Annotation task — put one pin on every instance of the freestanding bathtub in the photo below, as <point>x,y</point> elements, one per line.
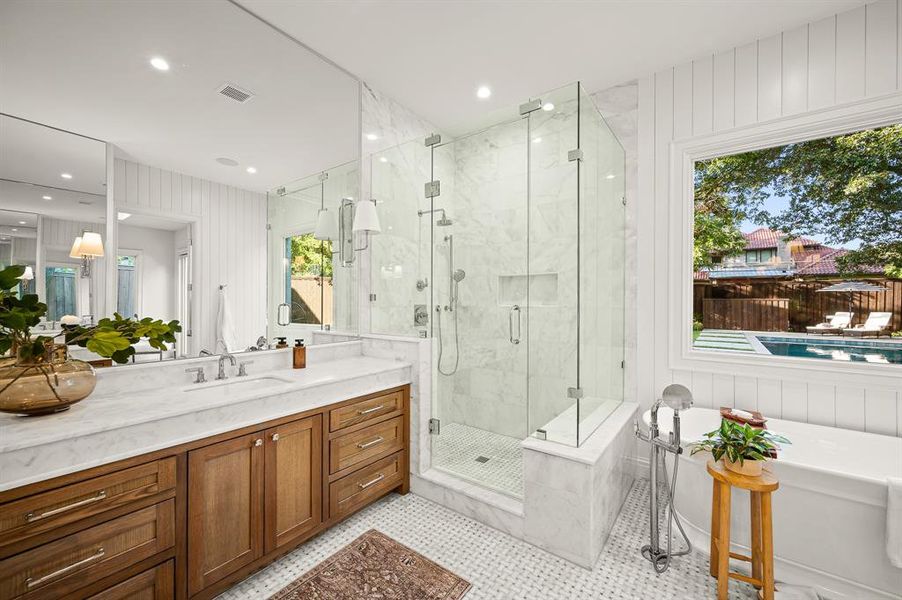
<point>829,513</point>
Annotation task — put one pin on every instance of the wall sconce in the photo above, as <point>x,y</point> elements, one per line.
<point>28,275</point>
<point>366,221</point>
<point>326,228</point>
<point>87,247</point>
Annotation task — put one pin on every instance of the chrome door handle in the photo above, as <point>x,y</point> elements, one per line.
<point>371,443</point>
<point>283,317</point>
<point>373,481</point>
<point>510,323</point>
<point>31,517</point>
<point>30,583</point>
<point>371,410</point>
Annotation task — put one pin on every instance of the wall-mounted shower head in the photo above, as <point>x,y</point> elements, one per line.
<point>444,221</point>
<point>458,275</point>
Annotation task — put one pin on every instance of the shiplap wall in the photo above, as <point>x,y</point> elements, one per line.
<point>847,57</point>
<point>229,242</point>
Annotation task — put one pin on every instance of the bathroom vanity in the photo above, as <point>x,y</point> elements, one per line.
<point>193,516</point>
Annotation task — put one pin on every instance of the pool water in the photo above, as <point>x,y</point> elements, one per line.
<point>842,350</point>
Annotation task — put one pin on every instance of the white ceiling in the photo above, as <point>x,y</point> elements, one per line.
<point>64,204</point>
<point>431,55</point>
<point>83,66</point>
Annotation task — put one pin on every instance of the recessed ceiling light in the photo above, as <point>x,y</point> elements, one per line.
<point>537,140</point>
<point>229,162</point>
<point>383,159</point>
<point>47,197</point>
<point>14,229</point>
<point>66,175</point>
<point>22,223</point>
<point>483,92</point>
<point>159,63</point>
<point>372,137</point>
<point>123,215</point>
<point>610,176</point>
<point>251,170</point>
<point>548,106</point>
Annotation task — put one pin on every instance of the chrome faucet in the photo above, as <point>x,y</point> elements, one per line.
<point>222,358</point>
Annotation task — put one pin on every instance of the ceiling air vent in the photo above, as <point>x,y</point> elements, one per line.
<point>230,90</point>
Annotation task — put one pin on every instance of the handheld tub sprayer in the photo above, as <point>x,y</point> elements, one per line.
<point>678,398</point>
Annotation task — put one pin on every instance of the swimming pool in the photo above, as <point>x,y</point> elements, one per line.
<point>842,350</point>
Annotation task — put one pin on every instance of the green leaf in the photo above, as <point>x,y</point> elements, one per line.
<point>106,343</point>
<point>9,277</point>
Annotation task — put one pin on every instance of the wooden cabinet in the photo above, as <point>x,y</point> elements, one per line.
<point>187,522</point>
<point>225,509</point>
<point>293,481</point>
<point>157,583</point>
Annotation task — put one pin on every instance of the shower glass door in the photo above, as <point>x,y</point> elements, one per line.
<point>479,298</point>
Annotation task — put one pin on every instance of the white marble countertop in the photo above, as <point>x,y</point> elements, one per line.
<point>111,425</point>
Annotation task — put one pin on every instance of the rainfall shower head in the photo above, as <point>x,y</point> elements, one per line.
<point>458,275</point>
<point>444,221</point>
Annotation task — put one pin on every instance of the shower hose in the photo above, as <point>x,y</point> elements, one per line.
<point>438,322</point>
<point>672,516</point>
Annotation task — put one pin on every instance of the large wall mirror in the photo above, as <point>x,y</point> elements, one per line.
<point>202,133</point>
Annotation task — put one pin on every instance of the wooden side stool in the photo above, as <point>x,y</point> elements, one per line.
<point>762,558</point>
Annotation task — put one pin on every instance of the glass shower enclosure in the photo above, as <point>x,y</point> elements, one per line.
<point>506,247</point>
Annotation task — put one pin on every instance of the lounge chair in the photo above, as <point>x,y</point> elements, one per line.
<point>834,324</point>
<point>877,323</point>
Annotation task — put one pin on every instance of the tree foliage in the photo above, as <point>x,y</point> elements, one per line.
<point>310,257</point>
<point>846,188</point>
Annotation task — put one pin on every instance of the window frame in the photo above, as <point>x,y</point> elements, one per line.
<point>683,154</point>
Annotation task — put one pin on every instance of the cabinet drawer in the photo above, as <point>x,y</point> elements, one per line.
<point>42,512</point>
<point>357,489</point>
<point>157,583</point>
<point>359,446</point>
<point>365,410</point>
<point>76,560</point>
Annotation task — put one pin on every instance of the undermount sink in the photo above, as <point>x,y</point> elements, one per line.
<point>239,384</point>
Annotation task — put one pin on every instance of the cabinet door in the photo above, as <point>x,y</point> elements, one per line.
<point>225,509</point>
<point>294,471</point>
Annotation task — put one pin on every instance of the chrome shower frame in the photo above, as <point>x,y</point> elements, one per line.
<point>678,398</point>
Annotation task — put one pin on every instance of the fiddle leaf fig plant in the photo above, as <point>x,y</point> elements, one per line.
<point>739,442</point>
<point>110,338</point>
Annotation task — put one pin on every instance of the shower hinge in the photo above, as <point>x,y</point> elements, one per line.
<point>280,190</point>
<point>541,434</point>
<point>323,176</point>
<point>433,189</point>
<point>575,155</point>
<point>575,393</point>
<point>372,297</point>
<point>622,364</point>
<point>433,140</point>
<point>623,200</point>
<point>435,426</point>
<point>530,106</point>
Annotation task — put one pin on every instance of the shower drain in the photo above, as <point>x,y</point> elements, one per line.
<point>482,459</point>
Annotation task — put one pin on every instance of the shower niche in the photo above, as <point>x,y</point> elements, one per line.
<point>516,249</point>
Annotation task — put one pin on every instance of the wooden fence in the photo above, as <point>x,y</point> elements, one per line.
<point>767,314</point>
<point>807,306</point>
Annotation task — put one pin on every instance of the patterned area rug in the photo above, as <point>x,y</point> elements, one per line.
<point>376,567</point>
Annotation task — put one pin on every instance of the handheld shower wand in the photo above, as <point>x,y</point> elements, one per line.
<point>677,398</point>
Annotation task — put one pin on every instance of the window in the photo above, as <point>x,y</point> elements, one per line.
<point>811,235</point>
<point>308,279</point>
<point>61,284</point>
<point>127,274</point>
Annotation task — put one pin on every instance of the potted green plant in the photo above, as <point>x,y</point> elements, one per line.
<point>743,448</point>
<point>39,377</point>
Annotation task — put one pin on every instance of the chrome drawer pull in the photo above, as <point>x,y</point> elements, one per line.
<point>30,583</point>
<point>31,517</point>
<point>371,410</point>
<point>374,481</point>
<point>371,443</point>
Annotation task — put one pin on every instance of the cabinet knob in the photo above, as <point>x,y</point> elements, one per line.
<point>275,437</point>
<point>258,442</point>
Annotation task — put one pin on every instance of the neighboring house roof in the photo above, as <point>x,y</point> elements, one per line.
<point>769,238</point>
<point>809,257</point>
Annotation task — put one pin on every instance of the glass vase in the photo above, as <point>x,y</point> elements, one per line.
<point>45,384</point>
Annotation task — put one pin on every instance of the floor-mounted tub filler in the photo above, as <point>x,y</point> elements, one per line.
<point>677,398</point>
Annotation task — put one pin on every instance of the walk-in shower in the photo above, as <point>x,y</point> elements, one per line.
<point>519,231</point>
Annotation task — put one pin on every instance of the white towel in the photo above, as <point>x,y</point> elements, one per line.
<point>226,340</point>
<point>894,521</point>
